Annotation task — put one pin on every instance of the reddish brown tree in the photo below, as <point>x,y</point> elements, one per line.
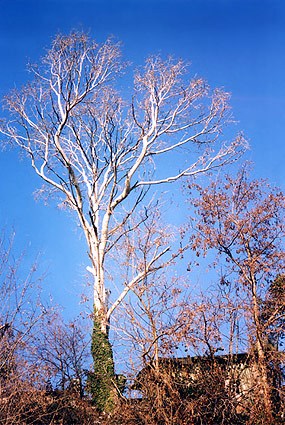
<point>243,221</point>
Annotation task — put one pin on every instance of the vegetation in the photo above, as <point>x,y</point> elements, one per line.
<point>100,156</point>
<point>103,377</point>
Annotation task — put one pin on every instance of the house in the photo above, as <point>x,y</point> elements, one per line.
<point>230,376</point>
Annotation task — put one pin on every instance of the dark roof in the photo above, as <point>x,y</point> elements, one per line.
<point>190,361</point>
<point>220,359</point>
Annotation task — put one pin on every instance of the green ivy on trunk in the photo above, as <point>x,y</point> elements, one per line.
<point>102,380</point>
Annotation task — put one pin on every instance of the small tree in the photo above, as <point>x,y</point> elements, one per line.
<point>244,222</point>
<point>101,154</point>
<point>21,308</point>
<point>21,313</point>
<point>273,312</point>
<point>63,350</point>
<point>272,317</point>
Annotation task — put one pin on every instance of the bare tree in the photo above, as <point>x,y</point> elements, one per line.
<point>63,350</point>
<point>101,154</point>
<point>36,347</point>
<point>179,373</point>
<point>21,313</point>
<point>243,221</point>
<point>21,308</point>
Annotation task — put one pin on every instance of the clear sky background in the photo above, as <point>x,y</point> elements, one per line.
<point>235,44</point>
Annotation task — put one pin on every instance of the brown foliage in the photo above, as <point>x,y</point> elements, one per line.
<point>243,222</point>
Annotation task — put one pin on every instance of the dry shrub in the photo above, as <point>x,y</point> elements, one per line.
<point>211,398</point>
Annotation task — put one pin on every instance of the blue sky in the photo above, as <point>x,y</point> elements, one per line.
<point>235,44</point>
